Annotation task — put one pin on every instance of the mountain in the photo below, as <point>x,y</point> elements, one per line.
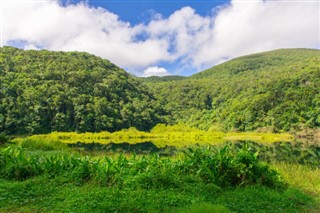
<point>276,90</point>
<point>44,91</point>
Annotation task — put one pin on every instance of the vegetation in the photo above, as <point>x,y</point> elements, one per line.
<point>163,78</point>
<point>35,178</point>
<point>43,91</point>
<point>222,167</point>
<point>162,136</point>
<point>71,97</point>
<point>58,195</point>
<point>270,91</point>
<point>3,139</point>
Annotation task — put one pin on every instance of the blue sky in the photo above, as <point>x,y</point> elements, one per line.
<point>141,11</point>
<point>136,12</point>
<point>167,37</point>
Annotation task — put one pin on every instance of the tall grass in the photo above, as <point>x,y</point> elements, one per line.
<point>34,143</point>
<point>304,177</point>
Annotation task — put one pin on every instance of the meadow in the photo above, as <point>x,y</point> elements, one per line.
<point>45,173</point>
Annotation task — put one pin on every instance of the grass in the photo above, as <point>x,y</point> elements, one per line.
<point>42,176</point>
<point>204,207</point>
<point>303,177</point>
<point>41,194</point>
<point>33,143</point>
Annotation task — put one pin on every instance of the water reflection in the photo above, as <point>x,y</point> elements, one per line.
<point>142,148</point>
<point>290,152</point>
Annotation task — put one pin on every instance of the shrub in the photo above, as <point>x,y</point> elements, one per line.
<point>227,168</point>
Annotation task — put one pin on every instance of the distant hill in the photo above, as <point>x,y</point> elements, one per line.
<point>44,91</point>
<point>163,78</point>
<point>276,90</point>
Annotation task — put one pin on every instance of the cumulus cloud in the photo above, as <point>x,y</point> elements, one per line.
<point>155,71</point>
<point>252,26</point>
<point>46,24</point>
<point>239,28</point>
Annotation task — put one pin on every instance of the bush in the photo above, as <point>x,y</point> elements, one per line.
<point>228,168</point>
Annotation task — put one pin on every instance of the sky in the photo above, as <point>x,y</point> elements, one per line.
<point>161,37</point>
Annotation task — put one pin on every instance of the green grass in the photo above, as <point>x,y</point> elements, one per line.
<point>304,177</point>
<point>59,195</point>
<point>35,178</point>
<point>204,207</point>
<point>32,144</point>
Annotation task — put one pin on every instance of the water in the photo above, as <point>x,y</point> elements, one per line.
<point>292,152</point>
<point>140,148</point>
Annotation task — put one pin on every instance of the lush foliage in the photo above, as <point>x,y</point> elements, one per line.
<point>43,91</point>
<point>218,166</point>
<point>272,91</point>
<point>79,94</point>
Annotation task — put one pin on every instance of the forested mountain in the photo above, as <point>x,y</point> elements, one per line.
<point>277,90</point>
<point>43,91</point>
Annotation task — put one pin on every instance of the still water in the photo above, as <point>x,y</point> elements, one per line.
<point>292,152</point>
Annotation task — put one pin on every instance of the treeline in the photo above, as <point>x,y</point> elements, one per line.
<point>43,91</point>
<point>272,91</point>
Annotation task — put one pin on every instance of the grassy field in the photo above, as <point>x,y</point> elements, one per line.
<point>48,176</point>
<point>43,194</point>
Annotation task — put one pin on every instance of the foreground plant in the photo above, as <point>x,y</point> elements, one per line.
<point>223,167</point>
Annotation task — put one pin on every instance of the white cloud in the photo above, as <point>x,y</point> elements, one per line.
<point>155,71</point>
<point>239,28</point>
<point>180,29</point>
<point>252,26</point>
<point>80,27</point>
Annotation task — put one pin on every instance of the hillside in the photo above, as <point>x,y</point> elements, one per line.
<point>44,91</point>
<point>276,90</point>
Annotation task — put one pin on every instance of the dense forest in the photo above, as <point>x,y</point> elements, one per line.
<point>271,91</point>
<point>44,91</point>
